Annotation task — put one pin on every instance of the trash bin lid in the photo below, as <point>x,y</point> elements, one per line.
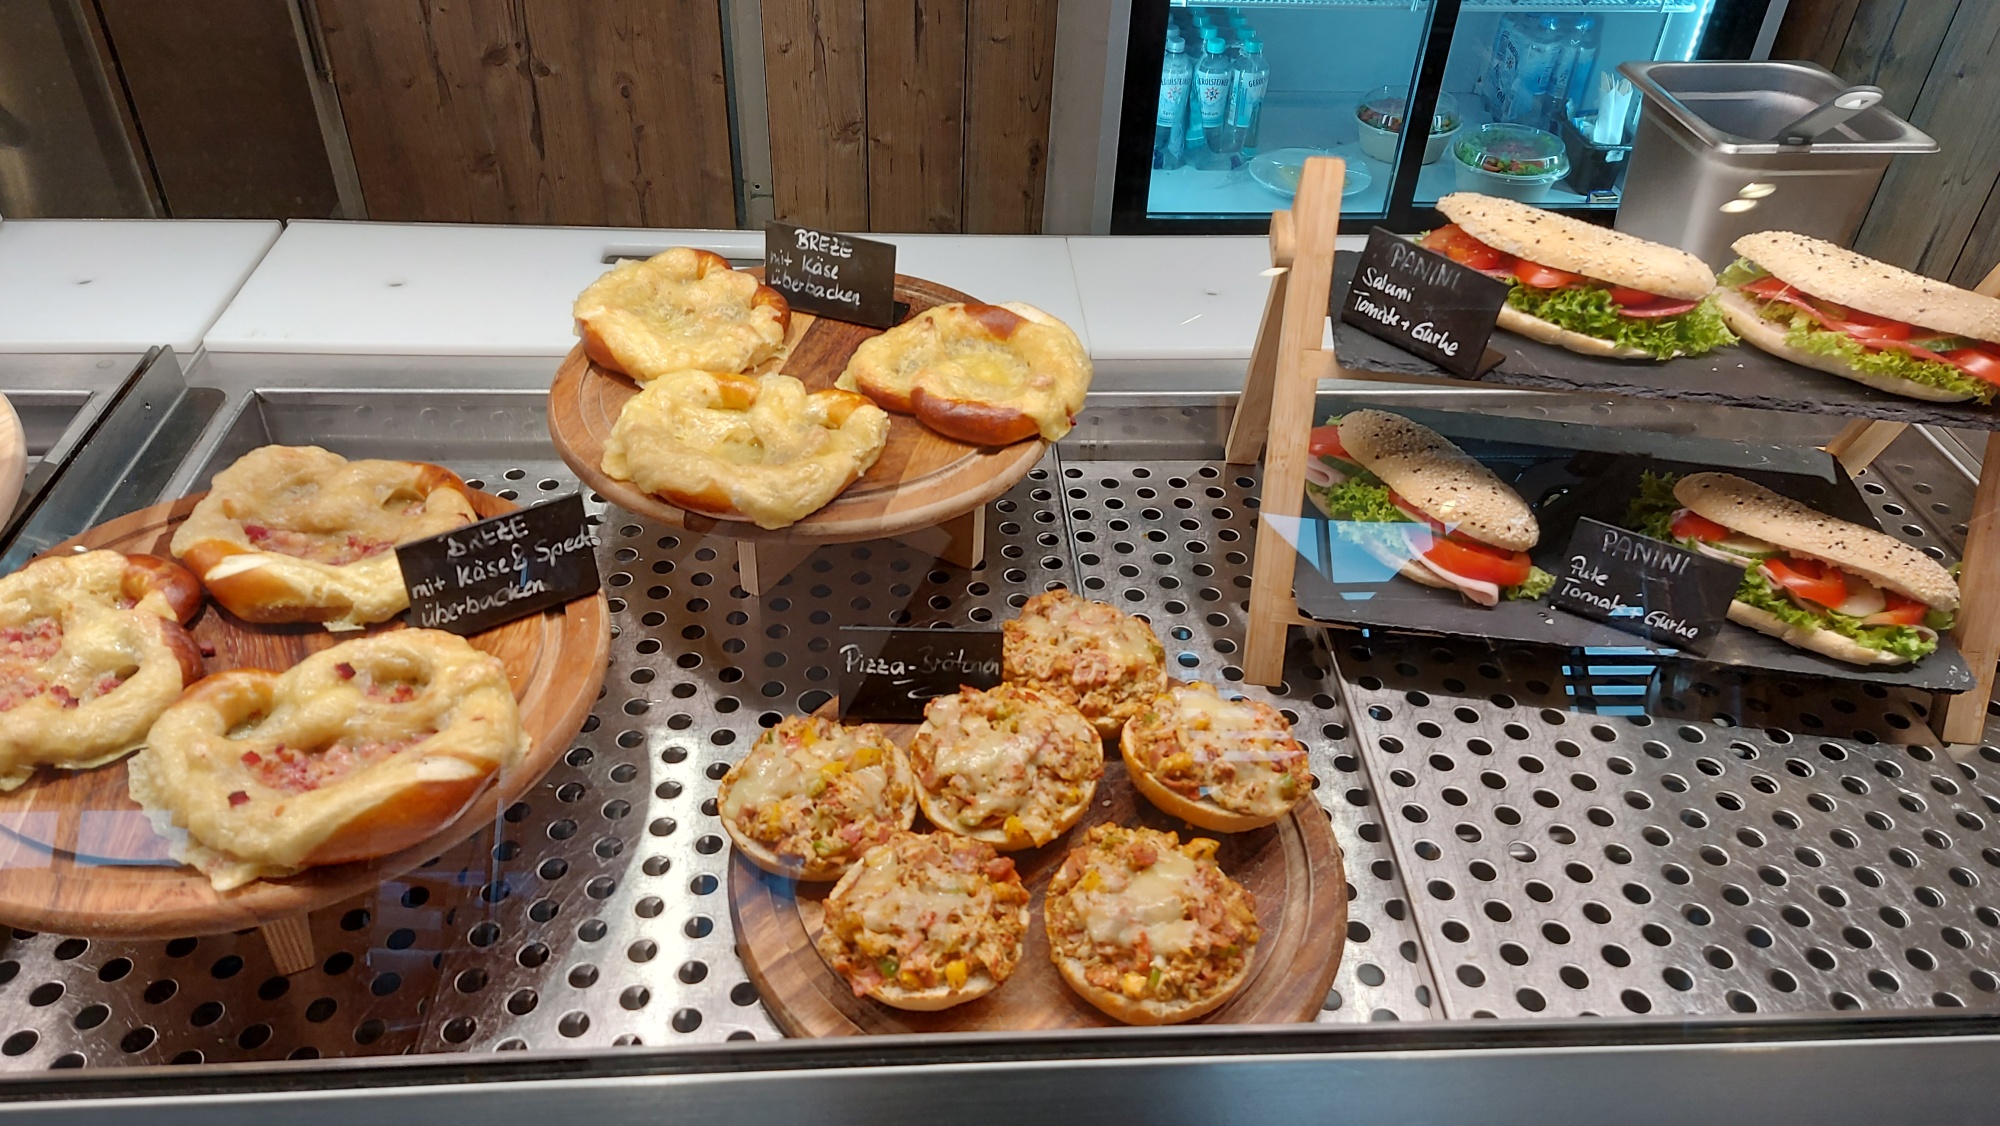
<point>1739,106</point>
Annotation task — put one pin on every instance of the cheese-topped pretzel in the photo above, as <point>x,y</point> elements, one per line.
<point>744,447</point>
<point>1090,654</point>
<point>680,309</point>
<point>357,751</point>
<point>91,652</point>
<point>301,534</point>
<point>985,374</point>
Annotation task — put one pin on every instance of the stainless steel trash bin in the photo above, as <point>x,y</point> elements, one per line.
<point>1705,171</point>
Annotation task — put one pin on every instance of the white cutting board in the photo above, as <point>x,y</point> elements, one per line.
<point>402,289</point>
<point>121,285</point>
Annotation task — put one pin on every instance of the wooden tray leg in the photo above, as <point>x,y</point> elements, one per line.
<point>1862,441</point>
<point>1962,719</point>
<point>760,566</point>
<point>1251,422</point>
<point>291,943</point>
<point>960,540</point>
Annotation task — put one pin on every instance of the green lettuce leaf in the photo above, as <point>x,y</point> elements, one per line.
<point>1651,513</point>
<point>1590,310</point>
<point>1360,500</point>
<point>1903,641</point>
<point>1803,332</point>
<point>1537,584</point>
<point>1740,273</point>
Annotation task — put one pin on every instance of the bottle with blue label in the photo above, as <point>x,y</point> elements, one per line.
<point>1252,81</point>
<point>1213,77</point>
<point>1170,126</point>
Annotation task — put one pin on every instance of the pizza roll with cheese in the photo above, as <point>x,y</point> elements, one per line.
<point>1011,766</point>
<point>813,795</point>
<point>1105,662</point>
<point>1226,765</point>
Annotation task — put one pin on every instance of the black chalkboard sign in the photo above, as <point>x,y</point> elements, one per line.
<point>1641,585</point>
<point>1425,304</point>
<point>888,675</point>
<point>501,568</point>
<point>830,275</point>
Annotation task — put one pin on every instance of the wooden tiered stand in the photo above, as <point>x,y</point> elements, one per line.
<point>1275,415</point>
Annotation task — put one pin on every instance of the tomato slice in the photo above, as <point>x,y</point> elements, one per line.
<point>1451,241</point>
<point>1768,286</point>
<point>1325,442</point>
<point>1496,565</point>
<point>1626,295</point>
<point>1544,277</point>
<point>1809,579</point>
<point>1868,326</point>
<point>1689,526</point>
<point>1977,363</point>
<point>1900,612</point>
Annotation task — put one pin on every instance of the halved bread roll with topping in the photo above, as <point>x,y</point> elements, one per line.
<point>358,751</point>
<point>1226,765</point>
<point>1105,662</point>
<point>926,921</point>
<point>813,795</point>
<point>92,650</point>
<point>1011,766</point>
<point>1149,930</point>
<point>990,375</point>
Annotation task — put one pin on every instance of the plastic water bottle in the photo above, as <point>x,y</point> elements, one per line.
<point>1213,77</point>
<point>1170,126</point>
<point>1575,80</point>
<point>1246,97</point>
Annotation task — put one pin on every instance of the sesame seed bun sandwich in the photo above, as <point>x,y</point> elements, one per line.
<point>1818,582</point>
<point>1420,504</point>
<point>1826,307</point>
<point>1580,286</point>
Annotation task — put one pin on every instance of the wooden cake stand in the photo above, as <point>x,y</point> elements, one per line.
<point>78,856</point>
<point>1293,868</point>
<point>925,488</point>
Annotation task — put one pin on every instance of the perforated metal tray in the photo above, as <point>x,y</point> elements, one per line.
<point>591,914</point>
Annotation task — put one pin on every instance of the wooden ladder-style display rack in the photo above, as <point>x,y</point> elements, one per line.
<point>1274,415</point>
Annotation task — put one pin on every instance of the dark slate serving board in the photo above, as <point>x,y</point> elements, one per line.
<point>1340,583</point>
<point>1739,376</point>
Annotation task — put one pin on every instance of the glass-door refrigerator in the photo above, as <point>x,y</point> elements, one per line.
<point>1223,102</point>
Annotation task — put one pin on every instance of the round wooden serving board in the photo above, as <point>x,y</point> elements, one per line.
<point>1293,868</point>
<point>79,857</point>
<point>921,480</point>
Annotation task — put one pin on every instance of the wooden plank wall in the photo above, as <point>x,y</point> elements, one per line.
<point>536,111</point>
<point>910,115</point>
<point>1938,214</point>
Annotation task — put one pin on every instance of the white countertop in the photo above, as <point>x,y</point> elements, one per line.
<point>111,285</point>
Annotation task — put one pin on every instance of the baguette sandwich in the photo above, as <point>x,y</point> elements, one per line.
<point>1580,286</point>
<point>1816,304</point>
<point>1416,502</point>
<point>1820,583</point>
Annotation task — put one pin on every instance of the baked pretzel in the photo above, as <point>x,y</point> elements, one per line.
<point>743,447</point>
<point>358,751</point>
<point>990,375</point>
<point>680,309</point>
<point>299,534</point>
<point>92,650</point>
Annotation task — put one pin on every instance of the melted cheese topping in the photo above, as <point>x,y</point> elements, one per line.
<point>923,911</point>
<point>83,672</point>
<point>1154,903</point>
<point>1238,754</point>
<point>677,311</point>
<point>817,793</point>
<point>778,460</point>
<point>323,527</point>
<point>1092,655</point>
<point>1010,764</point>
<point>1040,370</point>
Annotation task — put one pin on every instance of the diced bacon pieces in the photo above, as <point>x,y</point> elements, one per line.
<point>344,670</point>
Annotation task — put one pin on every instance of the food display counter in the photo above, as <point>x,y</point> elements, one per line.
<point>1577,882</point>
